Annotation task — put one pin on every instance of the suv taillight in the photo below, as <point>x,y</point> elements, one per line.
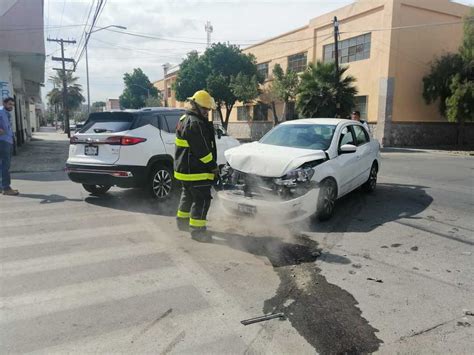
<point>73,140</point>
<point>124,140</point>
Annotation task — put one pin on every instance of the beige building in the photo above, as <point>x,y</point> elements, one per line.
<point>112,104</point>
<point>388,46</point>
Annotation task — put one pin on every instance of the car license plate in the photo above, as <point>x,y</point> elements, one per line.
<point>91,150</point>
<point>247,209</point>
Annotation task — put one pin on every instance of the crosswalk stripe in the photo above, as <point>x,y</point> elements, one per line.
<point>37,303</point>
<point>45,280</point>
<point>50,263</point>
<point>41,238</point>
<point>60,247</point>
<point>73,324</point>
<point>64,218</point>
<point>65,226</point>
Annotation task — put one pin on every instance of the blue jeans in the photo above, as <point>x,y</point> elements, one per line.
<point>6,150</point>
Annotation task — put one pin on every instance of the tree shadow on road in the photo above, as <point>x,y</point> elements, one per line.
<point>47,199</point>
<point>42,176</point>
<point>362,212</point>
<point>135,201</point>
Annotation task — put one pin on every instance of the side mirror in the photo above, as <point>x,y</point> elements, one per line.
<point>347,148</point>
<point>219,133</point>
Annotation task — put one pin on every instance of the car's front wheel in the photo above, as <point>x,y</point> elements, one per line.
<point>96,190</point>
<point>161,184</point>
<point>371,183</point>
<point>326,200</point>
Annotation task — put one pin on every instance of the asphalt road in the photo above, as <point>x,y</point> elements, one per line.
<point>392,272</point>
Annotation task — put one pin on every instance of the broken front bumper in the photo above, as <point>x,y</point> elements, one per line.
<point>271,211</point>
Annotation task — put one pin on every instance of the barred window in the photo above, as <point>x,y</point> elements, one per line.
<point>243,113</point>
<point>262,70</point>
<point>297,62</point>
<point>361,106</point>
<point>260,112</point>
<point>350,50</point>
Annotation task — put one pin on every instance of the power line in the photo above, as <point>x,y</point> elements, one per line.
<point>37,29</point>
<point>100,3</point>
<point>62,14</point>
<point>273,42</point>
<point>83,35</point>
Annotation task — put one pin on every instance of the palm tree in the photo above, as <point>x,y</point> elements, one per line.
<point>74,97</point>
<point>320,95</point>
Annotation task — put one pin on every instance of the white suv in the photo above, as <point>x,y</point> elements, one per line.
<point>133,148</point>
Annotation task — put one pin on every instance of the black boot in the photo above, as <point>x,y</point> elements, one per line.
<point>182,224</point>
<point>201,235</point>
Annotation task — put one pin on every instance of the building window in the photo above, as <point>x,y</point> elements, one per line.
<point>350,50</point>
<point>169,92</point>
<point>297,62</point>
<point>243,113</point>
<point>361,106</point>
<point>262,70</point>
<point>260,112</point>
<point>215,116</point>
<point>291,113</point>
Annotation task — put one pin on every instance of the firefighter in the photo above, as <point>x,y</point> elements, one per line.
<point>195,165</point>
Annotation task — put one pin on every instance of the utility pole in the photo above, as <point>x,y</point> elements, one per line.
<point>209,29</point>
<point>87,77</point>
<point>336,58</point>
<point>64,70</point>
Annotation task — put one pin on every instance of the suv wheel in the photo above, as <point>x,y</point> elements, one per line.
<point>97,190</point>
<point>371,183</point>
<point>326,200</point>
<point>161,183</point>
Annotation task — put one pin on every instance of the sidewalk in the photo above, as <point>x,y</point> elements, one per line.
<point>46,152</point>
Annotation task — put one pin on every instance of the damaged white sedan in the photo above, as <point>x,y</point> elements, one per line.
<point>299,169</point>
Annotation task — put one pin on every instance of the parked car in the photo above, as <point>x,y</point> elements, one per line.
<point>299,169</point>
<point>133,148</point>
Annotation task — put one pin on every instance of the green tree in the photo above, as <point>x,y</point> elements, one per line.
<point>225,72</point>
<point>74,98</point>
<point>451,82</point>
<point>319,95</point>
<point>154,101</point>
<point>137,89</point>
<point>283,88</point>
<point>98,106</point>
<point>437,84</point>
<point>192,76</point>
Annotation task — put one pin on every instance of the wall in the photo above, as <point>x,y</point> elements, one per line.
<point>356,20</point>
<point>416,48</point>
<point>6,82</point>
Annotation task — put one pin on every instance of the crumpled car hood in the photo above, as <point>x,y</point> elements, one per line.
<point>269,160</point>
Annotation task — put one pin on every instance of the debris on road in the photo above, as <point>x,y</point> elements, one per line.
<point>263,318</point>
<point>415,248</point>
<point>469,313</point>
<point>376,280</point>
<point>357,266</point>
<point>464,323</point>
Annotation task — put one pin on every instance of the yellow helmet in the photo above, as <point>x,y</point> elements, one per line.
<point>203,99</point>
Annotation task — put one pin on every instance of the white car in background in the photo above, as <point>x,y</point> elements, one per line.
<point>299,169</point>
<point>133,148</point>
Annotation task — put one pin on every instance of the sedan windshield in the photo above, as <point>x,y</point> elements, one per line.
<point>306,136</point>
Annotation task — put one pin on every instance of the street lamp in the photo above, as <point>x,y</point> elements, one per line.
<point>144,88</point>
<point>87,61</point>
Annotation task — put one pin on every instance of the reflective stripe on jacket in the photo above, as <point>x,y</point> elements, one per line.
<point>195,154</point>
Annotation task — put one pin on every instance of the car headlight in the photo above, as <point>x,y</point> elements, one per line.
<point>294,177</point>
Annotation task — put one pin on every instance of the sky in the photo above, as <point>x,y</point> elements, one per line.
<point>179,24</point>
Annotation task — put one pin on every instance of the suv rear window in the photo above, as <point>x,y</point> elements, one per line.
<point>172,120</point>
<point>108,122</point>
